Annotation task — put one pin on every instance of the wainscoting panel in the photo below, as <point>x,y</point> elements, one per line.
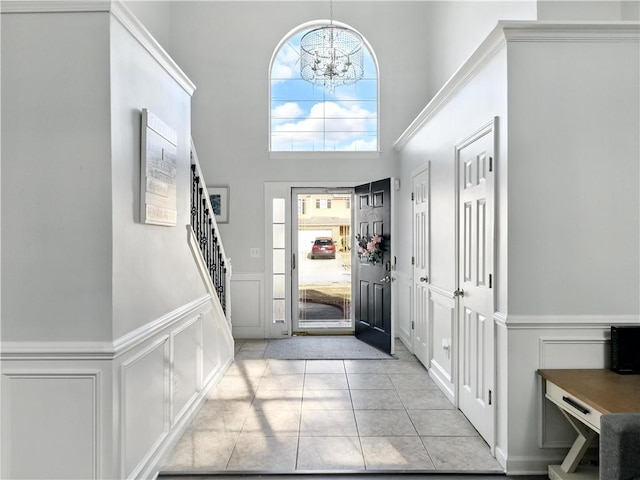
<point>86,411</point>
<point>566,352</point>
<point>212,354</point>
<point>52,417</point>
<point>144,405</point>
<point>442,326</point>
<point>501,388</point>
<point>186,373</point>
<point>196,352</point>
<point>220,347</point>
<point>248,307</point>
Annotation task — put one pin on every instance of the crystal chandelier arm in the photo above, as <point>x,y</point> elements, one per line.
<point>331,56</point>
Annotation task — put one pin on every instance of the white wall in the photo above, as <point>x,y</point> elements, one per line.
<point>56,243</point>
<point>109,319</point>
<point>573,178</point>
<point>574,222</point>
<point>599,10</point>
<point>455,29</point>
<point>153,271</point>
<point>56,181</point>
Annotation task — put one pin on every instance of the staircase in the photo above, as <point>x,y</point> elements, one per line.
<point>214,265</point>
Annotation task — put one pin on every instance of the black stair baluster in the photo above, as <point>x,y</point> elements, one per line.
<point>208,239</point>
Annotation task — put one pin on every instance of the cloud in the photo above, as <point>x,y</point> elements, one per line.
<point>363,145</point>
<point>328,126</point>
<point>286,63</point>
<point>286,112</point>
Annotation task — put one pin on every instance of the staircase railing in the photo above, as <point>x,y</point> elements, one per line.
<point>205,229</point>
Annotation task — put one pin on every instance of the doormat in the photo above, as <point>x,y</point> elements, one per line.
<point>323,348</point>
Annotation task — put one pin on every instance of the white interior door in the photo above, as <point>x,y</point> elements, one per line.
<point>421,250</point>
<point>475,272</point>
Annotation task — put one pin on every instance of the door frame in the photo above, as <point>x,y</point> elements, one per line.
<point>294,250</point>
<point>491,126</point>
<point>273,190</point>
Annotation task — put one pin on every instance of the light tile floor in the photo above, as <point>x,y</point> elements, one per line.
<point>328,415</point>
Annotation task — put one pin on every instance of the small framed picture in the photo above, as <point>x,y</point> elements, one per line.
<point>219,197</point>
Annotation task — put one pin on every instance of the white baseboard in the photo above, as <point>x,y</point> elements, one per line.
<point>501,457</point>
<point>405,338</point>
<point>523,465</point>
<point>442,379</point>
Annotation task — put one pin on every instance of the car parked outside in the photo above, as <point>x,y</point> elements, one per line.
<point>323,247</point>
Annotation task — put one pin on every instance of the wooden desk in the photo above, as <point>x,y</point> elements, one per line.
<point>583,396</point>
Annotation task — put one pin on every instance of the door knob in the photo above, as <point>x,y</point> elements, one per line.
<point>458,293</point>
<point>386,279</point>
<point>424,279</point>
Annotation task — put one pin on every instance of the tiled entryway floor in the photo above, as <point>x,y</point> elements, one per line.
<point>328,415</point>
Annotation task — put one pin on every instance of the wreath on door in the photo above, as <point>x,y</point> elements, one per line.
<point>370,247</point>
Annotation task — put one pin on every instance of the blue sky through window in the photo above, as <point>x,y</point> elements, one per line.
<point>310,118</point>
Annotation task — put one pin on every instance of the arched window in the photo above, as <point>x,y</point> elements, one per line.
<point>309,118</point>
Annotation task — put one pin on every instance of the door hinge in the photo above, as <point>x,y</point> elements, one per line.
<point>293,261</point>
<point>412,197</point>
<point>413,260</point>
<point>413,325</point>
<point>490,397</point>
<point>490,281</point>
<point>491,164</point>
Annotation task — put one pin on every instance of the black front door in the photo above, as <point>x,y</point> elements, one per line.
<point>373,268</point>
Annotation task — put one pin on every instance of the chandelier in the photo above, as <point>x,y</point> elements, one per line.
<point>331,56</point>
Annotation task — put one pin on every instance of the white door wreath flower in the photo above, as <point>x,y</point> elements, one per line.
<point>370,247</point>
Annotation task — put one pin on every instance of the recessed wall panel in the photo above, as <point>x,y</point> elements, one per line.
<point>50,426</point>
<point>186,345</point>
<point>145,391</point>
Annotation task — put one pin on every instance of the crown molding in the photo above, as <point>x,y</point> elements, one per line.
<point>54,6</point>
<point>572,31</point>
<point>119,11</point>
<point>519,31</point>
<point>142,35</point>
<point>494,42</point>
